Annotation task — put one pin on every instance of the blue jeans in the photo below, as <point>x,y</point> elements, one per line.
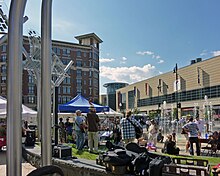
<point>80,140</point>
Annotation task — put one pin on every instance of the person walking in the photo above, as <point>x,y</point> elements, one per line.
<point>79,129</point>
<point>92,121</point>
<point>192,129</point>
<point>152,135</point>
<point>127,129</point>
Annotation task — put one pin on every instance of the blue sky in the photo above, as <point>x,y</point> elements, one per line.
<point>141,38</point>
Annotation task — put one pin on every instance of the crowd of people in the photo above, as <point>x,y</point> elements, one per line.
<point>86,130</point>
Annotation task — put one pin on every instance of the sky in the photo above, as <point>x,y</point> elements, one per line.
<point>141,38</point>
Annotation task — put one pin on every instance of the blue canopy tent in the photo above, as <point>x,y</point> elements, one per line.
<point>82,104</point>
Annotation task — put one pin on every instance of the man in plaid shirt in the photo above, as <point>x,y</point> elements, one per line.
<point>127,129</point>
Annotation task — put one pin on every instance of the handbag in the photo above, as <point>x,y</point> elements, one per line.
<point>138,130</point>
<point>81,127</point>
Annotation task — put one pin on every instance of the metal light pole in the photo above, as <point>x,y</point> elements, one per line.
<point>158,108</point>
<point>46,55</point>
<point>176,75</point>
<point>14,87</point>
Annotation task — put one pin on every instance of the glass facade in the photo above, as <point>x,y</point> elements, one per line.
<point>190,95</point>
<point>111,93</point>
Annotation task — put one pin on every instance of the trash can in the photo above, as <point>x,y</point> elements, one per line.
<point>30,138</point>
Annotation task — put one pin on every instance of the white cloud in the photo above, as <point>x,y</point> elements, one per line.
<point>157,57</point>
<point>128,74</point>
<point>145,53</point>
<point>124,58</point>
<point>122,62</point>
<point>104,60</point>
<point>152,54</point>
<point>160,61</point>
<point>216,53</point>
<point>203,53</point>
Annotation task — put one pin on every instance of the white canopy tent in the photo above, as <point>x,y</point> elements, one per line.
<point>27,113</point>
<point>110,113</point>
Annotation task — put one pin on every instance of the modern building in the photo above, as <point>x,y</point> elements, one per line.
<point>111,92</point>
<point>191,89</point>
<point>103,99</point>
<point>84,73</point>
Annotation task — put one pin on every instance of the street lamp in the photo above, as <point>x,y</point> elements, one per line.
<point>158,91</point>
<point>175,70</point>
<point>122,109</point>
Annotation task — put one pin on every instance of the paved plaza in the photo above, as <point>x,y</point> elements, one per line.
<point>26,167</point>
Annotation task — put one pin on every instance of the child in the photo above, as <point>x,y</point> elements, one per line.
<point>160,137</point>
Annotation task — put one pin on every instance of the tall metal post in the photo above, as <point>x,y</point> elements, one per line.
<point>159,103</point>
<point>177,100</point>
<point>14,87</point>
<point>46,54</point>
<point>56,114</point>
<point>39,119</point>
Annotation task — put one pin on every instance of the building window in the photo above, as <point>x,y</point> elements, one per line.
<point>84,91</point>
<point>59,99</point>
<point>66,89</point>
<point>65,99</point>
<point>78,73</point>
<point>84,73</point>
<point>84,64</point>
<point>56,50</point>
<point>4,48</point>
<point>66,80</point>
<point>90,82</point>
<point>90,73</point>
<point>69,72</point>
<point>3,90</point>
<point>78,54</point>
<point>31,89</point>
<point>31,99</point>
<point>90,55</point>
<point>90,91</point>
<point>3,58</point>
<point>66,51</point>
<point>30,79</point>
<point>78,82</point>
<point>78,90</point>
<point>79,63</point>
<point>131,99</point>
<point>95,75</point>
<point>85,54</point>
<point>65,61</point>
<point>3,79</point>
<point>95,82</point>
<point>84,82</point>
<point>3,69</point>
<point>96,65</point>
<point>90,63</point>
